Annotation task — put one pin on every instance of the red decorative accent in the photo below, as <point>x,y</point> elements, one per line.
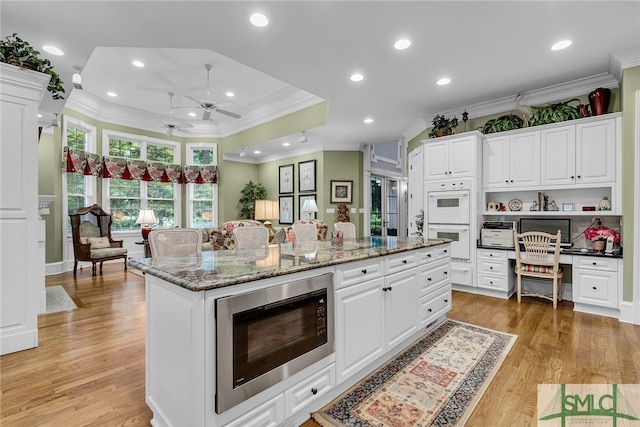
<point>145,231</point>
<point>146,176</point>
<point>165,177</point>
<point>126,174</point>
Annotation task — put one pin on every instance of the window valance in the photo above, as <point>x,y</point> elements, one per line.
<point>75,160</point>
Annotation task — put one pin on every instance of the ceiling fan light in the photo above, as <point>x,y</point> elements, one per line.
<point>206,115</point>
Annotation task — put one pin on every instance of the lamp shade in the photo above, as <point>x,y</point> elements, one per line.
<point>309,206</point>
<point>267,209</point>
<point>146,216</point>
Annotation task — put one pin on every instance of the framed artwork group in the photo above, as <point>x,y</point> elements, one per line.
<point>286,188</point>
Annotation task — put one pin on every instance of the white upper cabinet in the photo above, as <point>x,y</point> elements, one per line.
<point>453,157</point>
<point>579,154</point>
<point>511,160</point>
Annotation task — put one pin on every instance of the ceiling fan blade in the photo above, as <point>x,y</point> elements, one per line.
<point>206,115</point>
<point>228,113</point>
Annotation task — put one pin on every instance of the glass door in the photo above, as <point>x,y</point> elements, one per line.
<point>384,206</point>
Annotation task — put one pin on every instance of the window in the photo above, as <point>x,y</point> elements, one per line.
<point>78,190</point>
<point>124,198</point>
<point>202,209</point>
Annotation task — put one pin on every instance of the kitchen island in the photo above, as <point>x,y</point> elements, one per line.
<point>384,294</point>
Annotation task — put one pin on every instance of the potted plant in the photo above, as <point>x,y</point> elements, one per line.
<point>442,126</point>
<point>250,194</point>
<point>502,123</point>
<point>419,223</point>
<point>598,236</point>
<point>554,113</point>
<point>15,51</point>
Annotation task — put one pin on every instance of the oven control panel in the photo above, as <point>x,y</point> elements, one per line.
<point>460,184</point>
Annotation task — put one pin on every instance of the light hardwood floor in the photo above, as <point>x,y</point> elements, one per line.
<point>89,366</point>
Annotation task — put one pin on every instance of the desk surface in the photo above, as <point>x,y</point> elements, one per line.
<point>564,252</point>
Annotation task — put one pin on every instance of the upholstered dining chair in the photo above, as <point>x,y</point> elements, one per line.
<point>305,232</point>
<point>538,258</point>
<point>251,237</point>
<point>175,241</point>
<point>348,229</point>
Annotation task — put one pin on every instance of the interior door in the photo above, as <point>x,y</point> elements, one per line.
<point>384,206</point>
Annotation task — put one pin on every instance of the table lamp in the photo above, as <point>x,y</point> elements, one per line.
<point>309,207</point>
<point>265,211</point>
<point>146,217</point>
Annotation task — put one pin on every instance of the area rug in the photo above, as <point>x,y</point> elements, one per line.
<point>58,300</point>
<point>437,381</point>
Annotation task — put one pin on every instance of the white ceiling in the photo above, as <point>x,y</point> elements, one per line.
<point>490,50</point>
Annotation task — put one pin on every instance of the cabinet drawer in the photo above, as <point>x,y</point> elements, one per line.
<point>591,262</point>
<point>595,287</point>
<point>310,389</point>
<point>434,276</point>
<point>461,273</point>
<point>434,305</point>
<point>497,267</point>
<point>433,253</point>
<point>270,413</point>
<point>492,254</point>
<point>493,282</point>
<point>400,262</point>
<point>358,272</point>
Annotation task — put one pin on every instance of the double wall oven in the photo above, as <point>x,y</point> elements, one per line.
<point>264,336</point>
<point>449,212</point>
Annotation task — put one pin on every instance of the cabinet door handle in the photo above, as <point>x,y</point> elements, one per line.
<point>428,255</point>
<point>314,391</point>
<point>511,181</point>
<point>594,288</point>
<point>572,177</point>
<point>490,254</point>
<point>578,176</point>
<point>429,310</point>
<point>447,301</point>
<point>445,251</point>
<point>506,181</point>
<point>491,282</point>
<point>594,263</point>
<point>490,268</point>
<point>404,261</point>
<point>428,279</point>
<point>446,272</point>
<point>364,271</point>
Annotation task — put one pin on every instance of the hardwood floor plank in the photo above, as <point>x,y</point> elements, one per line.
<point>89,366</point>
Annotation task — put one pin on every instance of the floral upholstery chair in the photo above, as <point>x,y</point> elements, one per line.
<point>222,237</point>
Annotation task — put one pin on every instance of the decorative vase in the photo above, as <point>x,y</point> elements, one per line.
<point>599,101</point>
<point>598,245</point>
<point>443,132</point>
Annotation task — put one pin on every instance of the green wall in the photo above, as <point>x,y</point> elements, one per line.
<point>630,84</point>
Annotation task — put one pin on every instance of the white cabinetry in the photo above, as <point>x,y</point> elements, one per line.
<point>21,283</point>
<point>596,284</point>
<point>511,160</point>
<point>494,277</point>
<point>579,154</point>
<point>374,316</point>
<point>450,157</point>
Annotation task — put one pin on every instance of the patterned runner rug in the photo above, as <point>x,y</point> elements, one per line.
<point>437,381</point>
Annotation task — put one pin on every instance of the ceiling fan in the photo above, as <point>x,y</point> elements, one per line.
<point>171,126</point>
<point>209,105</point>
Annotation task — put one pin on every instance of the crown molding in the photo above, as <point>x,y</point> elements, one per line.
<point>535,97</point>
<point>622,60</point>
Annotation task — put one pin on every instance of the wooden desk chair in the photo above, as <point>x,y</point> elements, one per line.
<point>348,229</point>
<point>175,241</point>
<point>537,261</point>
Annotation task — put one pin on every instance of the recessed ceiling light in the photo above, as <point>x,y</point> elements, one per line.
<point>52,50</point>
<point>561,45</point>
<point>286,144</point>
<point>138,64</point>
<point>402,44</point>
<point>357,77</point>
<point>259,20</point>
<point>256,151</point>
<point>368,120</point>
<point>192,114</point>
<point>444,81</point>
<point>40,115</point>
<point>230,94</point>
<point>112,94</point>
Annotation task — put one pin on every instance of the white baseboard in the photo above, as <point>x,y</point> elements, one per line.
<point>630,312</point>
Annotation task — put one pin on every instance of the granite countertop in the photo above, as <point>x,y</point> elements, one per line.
<point>217,269</point>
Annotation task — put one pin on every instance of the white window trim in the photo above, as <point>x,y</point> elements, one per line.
<point>190,148</point>
<point>144,140</point>
<point>90,181</point>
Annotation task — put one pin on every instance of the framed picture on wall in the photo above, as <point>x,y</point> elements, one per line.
<point>307,176</point>
<point>301,199</point>
<point>287,213</point>
<point>286,179</point>
<point>341,191</point>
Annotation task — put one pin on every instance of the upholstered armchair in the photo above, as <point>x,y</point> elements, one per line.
<point>222,237</point>
<point>92,242</point>
<point>321,228</point>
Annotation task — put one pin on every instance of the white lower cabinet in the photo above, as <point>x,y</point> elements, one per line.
<point>375,316</point>
<point>270,413</point>
<point>308,390</point>
<point>494,276</point>
<point>595,284</point>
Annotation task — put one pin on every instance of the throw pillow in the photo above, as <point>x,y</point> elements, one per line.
<point>280,236</point>
<point>99,242</point>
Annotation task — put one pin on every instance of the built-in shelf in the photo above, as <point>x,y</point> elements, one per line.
<point>549,213</point>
